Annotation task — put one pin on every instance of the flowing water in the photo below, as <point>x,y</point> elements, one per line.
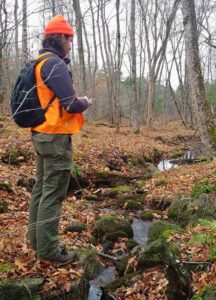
<point>140,232</point>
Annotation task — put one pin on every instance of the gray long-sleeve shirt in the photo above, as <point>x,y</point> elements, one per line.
<point>58,78</point>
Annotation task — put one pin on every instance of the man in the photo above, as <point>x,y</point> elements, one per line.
<point>52,141</point>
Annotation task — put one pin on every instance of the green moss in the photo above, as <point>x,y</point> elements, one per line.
<point>19,289</point>
<point>109,223</point>
<point>147,216</point>
<point>153,156</point>
<point>152,254</point>
<point>5,267</point>
<point>119,189</point>
<point>123,281</point>
<point>161,181</point>
<point>77,155</point>
<point>130,244</point>
<point>121,265</point>
<point>133,205</point>
<point>89,262</point>
<point>200,239</point>
<point>156,229</point>
<point>204,187</point>
<point>167,233</point>
<point>114,236</point>
<point>11,156</point>
<point>75,226</point>
<point>197,297</point>
<point>208,293</point>
<point>6,186</point>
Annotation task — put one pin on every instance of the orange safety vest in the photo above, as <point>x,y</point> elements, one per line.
<point>66,123</point>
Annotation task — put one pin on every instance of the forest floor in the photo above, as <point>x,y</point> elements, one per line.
<point>98,148</point>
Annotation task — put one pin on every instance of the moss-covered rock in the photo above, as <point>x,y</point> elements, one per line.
<point>159,252</point>
<point>75,226</point>
<point>177,208</point>
<point>130,244</point>
<point>148,215</point>
<point>122,265</point>
<point>151,254</point>
<point>121,202</point>
<point>122,189</point>
<point>153,156</point>
<point>90,263</point>
<point>26,182</point>
<point>109,224</point>
<point>190,210</point>
<point>6,186</point>
<point>3,207</point>
<point>123,281</point>
<point>114,236</point>
<point>156,229</point>
<point>78,180</point>
<point>15,156</point>
<point>133,205</point>
<point>176,289</point>
<point>152,169</point>
<point>19,289</point>
<point>107,178</point>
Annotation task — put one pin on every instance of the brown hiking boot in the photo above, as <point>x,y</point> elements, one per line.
<point>64,258</point>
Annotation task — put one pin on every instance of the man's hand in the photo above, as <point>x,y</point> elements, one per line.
<point>88,100</point>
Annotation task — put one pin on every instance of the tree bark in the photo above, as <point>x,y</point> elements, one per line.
<point>203,116</point>
<point>118,69</point>
<point>24,34</point>
<point>135,119</point>
<point>78,15</point>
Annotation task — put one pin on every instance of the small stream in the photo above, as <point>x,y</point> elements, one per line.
<point>189,157</point>
<point>140,232</point>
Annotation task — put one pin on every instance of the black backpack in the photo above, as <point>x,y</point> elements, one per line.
<point>25,105</point>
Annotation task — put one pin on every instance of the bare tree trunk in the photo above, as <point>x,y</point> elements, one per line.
<point>156,56</point>
<point>24,34</point>
<point>53,8</point>
<point>135,119</point>
<point>203,117</point>
<point>118,70</point>
<point>95,54</point>
<point>3,39</point>
<point>16,31</point>
<point>83,83</point>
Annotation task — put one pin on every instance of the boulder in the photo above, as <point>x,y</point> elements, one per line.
<point>90,263</point>
<point>151,254</point>
<point>111,223</point>
<point>157,228</point>
<point>26,182</point>
<point>122,189</point>
<point>189,210</point>
<point>75,226</point>
<point>149,215</point>
<point>19,289</point>
<point>15,156</point>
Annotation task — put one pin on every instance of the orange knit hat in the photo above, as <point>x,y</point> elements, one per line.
<point>58,25</point>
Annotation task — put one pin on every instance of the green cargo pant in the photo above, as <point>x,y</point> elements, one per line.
<point>53,163</point>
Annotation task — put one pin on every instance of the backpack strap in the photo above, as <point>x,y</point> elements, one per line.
<point>37,60</point>
<point>43,56</point>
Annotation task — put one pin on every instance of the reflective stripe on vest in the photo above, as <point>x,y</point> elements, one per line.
<point>55,123</point>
